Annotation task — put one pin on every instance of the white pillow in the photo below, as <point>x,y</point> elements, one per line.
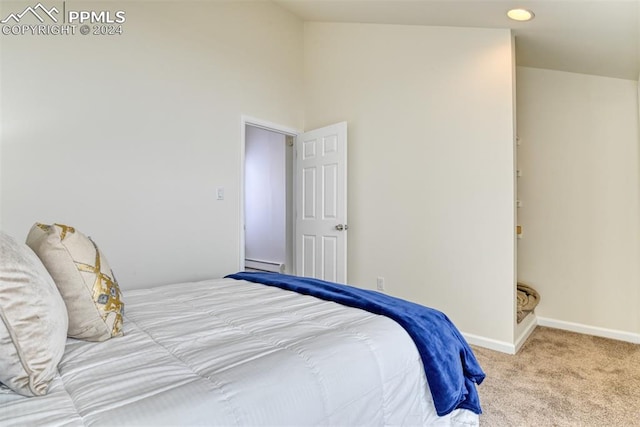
<point>84,279</point>
<point>33,320</point>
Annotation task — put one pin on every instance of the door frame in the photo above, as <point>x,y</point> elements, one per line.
<point>273,127</point>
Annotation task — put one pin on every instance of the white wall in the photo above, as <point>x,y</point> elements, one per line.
<point>580,187</point>
<point>265,195</point>
<point>431,162</point>
<point>1,133</point>
<point>128,137</point>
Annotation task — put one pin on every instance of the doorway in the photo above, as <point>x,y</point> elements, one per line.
<point>268,199</point>
<point>314,172</point>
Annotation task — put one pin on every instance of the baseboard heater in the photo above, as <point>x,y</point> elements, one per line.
<point>256,264</point>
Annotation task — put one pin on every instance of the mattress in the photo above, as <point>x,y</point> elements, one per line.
<point>229,353</point>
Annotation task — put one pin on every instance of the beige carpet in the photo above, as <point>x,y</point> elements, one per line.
<point>561,378</point>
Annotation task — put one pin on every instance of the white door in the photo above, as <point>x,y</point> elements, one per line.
<point>321,203</point>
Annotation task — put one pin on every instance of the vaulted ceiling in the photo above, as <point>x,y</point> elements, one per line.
<point>600,37</point>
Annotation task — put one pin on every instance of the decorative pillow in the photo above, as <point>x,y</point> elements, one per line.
<point>84,279</point>
<point>33,320</point>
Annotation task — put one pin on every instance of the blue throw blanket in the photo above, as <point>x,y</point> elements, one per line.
<point>451,368</point>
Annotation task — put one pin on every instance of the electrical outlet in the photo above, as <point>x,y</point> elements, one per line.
<point>380,283</point>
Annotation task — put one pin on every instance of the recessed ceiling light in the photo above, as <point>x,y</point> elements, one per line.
<point>520,14</point>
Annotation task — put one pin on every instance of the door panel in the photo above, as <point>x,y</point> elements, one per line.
<point>309,193</point>
<point>330,258</point>
<point>321,169</point>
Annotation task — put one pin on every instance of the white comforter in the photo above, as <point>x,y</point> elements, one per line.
<point>228,352</point>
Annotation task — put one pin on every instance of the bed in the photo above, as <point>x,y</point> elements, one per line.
<point>232,352</point>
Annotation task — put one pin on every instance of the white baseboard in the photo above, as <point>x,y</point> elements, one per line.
<point>491,344</point>
<point>524,329</point>
<point>529,325</point>
<point>590,330</point>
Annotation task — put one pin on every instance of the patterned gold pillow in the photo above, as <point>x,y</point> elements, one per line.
<point>84,278</point>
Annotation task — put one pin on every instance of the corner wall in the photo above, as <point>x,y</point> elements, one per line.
<point>431,163</point>
<point>580,187</point>
<point>127,137</point>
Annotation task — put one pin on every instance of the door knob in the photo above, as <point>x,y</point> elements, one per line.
<point>341,227</point>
